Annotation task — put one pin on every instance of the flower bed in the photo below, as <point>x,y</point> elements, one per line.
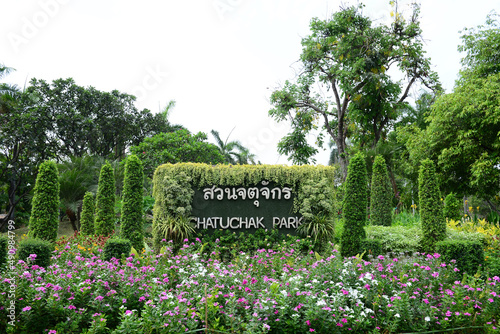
<point>275,291</point>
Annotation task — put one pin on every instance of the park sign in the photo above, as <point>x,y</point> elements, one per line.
<point>236,198</point>
<point>265,205</point>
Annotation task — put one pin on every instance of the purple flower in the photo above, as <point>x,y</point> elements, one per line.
<point>27,308</point>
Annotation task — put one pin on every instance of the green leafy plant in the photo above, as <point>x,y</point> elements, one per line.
<point>132,217</point>
<point>431,212</point>
<point>452,207</point>
<point>469,255</point>
<point>44,220</point>
<point>41,248</point>
<point>4,243</point>
<point>172,228</point>
<point>115,247</point>
<point>381,194</point>
<point>105,202</point>
<point>354,209</point>
<point>87,215</point>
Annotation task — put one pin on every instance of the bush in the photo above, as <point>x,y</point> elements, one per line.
<point>431,212</point>
<point>131,217</point>
<point>468,254</point>
<point>354,207</point>
<point>171,228</point>
<point>396,239</point>
<point>44,219</point>
<point>105,202</point>
<point>4,248</point>
<point>381,194</point>
<point>87,215</point>
<point>317,210</point>
<point>42,248</point>
<point>114,248</point>
<point>372,247</point>
<point>452,207</point>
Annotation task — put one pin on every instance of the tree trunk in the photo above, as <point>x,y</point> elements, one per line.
<point>72,218</point>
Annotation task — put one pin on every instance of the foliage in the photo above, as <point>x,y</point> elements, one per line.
<point>372,247</point>
<point>115,247</point>
<point>195,291</point>
<point>431,211</point>
<point>41,249</point>
<point>381,194</point>
<point>396,239</point>
<point>469,255</point>
<point>452,207</point>
<point>354,207</point>
<point>105,202</point>
<point>349,56</point>
<point>227,150</point>
<point>87,216</point>
<point>44,219</point>
<point>4,243</point>
<point>175,147</point>
<point>132,215</point>
<point>172,228</point>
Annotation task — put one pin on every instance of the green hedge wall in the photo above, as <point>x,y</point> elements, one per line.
<point>468,254</point>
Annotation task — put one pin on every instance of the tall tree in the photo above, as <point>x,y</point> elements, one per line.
<point>233,151</point>
<point>344,81</point>
<point>44,219</point>
<point>105,202</point>
<point>131,216</point>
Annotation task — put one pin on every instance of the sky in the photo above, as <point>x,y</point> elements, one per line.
<point>220,60</point>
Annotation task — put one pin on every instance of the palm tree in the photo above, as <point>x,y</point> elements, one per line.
<point>165,115</point>
<point>6,89</point>
<point>227,149</point>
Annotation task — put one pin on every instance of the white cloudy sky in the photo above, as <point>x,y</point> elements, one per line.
<point>219,59</point>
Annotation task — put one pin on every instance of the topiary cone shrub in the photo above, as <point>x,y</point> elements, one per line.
<point>105,202</point>
<point>381,194</point>
<point>87,215</point>
<point>354,207</point>
<point>44,219</point>
<point>452,207</point>
<point>131,217</point>
<point>431,211</point>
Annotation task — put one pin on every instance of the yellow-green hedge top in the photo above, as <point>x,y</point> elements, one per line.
<point>246,175</point>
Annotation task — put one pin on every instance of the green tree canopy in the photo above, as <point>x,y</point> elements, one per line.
<point>173,147</point>
<point>344,87</point>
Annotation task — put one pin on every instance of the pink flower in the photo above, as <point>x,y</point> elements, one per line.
<point>27,308</point>
<point>311,330</point>
<point>344,320</point>
<point>308,323</point>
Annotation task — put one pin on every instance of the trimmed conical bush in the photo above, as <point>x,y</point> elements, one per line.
<point>44,219</point>
<point>354,207</point>
<point>105,202</point>
<point>381,194</point>
<point>131,217</point>
<point>431,210</point>
<point>87,215</point>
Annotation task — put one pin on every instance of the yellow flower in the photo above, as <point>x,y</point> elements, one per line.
<point>471,208</point>
<point>477,208</point>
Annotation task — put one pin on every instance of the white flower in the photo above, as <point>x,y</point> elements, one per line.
<point>321,302</point>
<point>427,319</point>
<point>397,315</point>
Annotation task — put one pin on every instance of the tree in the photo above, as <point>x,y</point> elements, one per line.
<point>348,59</point>
<point>431,210</point>
<point>131,217</point>
<point>87,216</point>
<point>44,219</point>
<point>227,150</point>
<point>105,202</point>
<point>76,176</point>
<point>173,147</point>
<point>354,207</point>
<point>381,194</point>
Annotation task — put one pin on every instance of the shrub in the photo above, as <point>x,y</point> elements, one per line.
<point>354,207</point>
<point>87,215</point>
<point>468,254</point>
<point>131,217</point>
<point>381,194</point>
<point>317,210</point>
<point>44,219</point>
<point>4,247</point>
<point>171,228</point>
<point>114,248</point>
<point>372,247</point>
<point>105,202</point>
<point>431,212</point>
<point>42,248</point>
<point>396,239</point>
<point>452,207</point>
